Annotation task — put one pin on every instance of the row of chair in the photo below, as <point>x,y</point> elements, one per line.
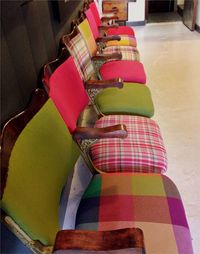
<point>98,106</point>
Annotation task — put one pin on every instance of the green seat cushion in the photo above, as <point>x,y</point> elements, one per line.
<point>133,99</point>
<point>41,160</point>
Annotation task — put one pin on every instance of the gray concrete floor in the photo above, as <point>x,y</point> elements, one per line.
<point>171,56</point>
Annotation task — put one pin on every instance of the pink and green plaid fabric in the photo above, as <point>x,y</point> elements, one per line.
<point>150,202</point>
<point>79,51</point>
<point>142,151</point>
<point>128,52</point>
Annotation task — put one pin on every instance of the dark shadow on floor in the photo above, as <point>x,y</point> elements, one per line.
<point>163,17</point>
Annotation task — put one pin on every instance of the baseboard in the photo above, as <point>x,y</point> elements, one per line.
<point>197,28</point>
<point>135,23</point>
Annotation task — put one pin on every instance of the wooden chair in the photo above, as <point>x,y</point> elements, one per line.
<point>114,29</point>
<point>100,34</point>
<point>106,96</point>
<point>104,65</point>
<point>131,147</point>
<point>38,155</point>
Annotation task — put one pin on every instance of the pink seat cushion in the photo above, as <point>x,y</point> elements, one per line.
<point>142,151</point>
<point>129,71</point>
<point>121,30</point>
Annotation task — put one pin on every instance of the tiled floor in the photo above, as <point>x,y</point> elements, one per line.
<point>171,55</point>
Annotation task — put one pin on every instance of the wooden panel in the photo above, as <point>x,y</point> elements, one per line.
<point>121,5</point>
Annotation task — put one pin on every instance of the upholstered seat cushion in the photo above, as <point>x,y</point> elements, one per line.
<point>132,98</point>
<point>121,30</point>
<point>150,202</point>
<point>142,151</point>
<point>129,71</point>
<point>128,52</point>
<point>124,41</point>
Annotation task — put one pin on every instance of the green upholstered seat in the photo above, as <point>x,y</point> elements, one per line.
<point>40,162</point>
<point>133,98</point>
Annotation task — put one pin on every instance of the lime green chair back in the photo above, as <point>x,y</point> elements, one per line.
<point>41,160</point>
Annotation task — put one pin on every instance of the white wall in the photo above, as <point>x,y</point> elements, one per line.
<point>136,11</point>
<point>198,13</point>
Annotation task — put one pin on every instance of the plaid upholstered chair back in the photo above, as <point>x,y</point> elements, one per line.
<point>68,92</point>
<point>78,49</point>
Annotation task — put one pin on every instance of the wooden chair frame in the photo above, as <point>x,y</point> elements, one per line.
<point>66,239</point>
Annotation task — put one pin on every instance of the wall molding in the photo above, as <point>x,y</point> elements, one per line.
<point>135,23</point>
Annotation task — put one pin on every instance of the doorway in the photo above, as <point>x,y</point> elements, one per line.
<point>162,11</point>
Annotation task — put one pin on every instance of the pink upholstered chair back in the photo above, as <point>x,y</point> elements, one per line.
<point>92,23</point>
<point>95,12</point>
<point>68,93</point>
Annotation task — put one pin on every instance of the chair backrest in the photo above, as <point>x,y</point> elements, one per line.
<point>92,23</point>
<point>37,165</point>
<point>77,47</point>
<point>95,12</point>
<point>50,67</point>
<point>68,92</point>
<point>86,32</point>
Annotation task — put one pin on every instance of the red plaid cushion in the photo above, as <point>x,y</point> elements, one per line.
<point>142,151</point>
<point>128,52</point>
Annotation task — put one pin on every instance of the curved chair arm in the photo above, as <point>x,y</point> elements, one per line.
<point>99,84</point>
<point>99,57</point>
<point>90,241</point>
<point>108,38</point>
<point>115,131</point>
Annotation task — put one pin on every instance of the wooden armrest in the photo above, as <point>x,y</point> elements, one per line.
<point>107,19</point>
<point>118,82</point>
<point>108,38</point>
<point>115,131</point>
<point>115,56</point>
<point>88,241</point>
<point>105,27</point>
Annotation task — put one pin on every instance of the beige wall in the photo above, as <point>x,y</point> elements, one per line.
<point>136,11</point>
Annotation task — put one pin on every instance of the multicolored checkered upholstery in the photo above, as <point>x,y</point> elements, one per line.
<point>142,151</point>
<point>79,51</point>
<point>128,52</point>
<point>150,202</point>
<point>125,40</point>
